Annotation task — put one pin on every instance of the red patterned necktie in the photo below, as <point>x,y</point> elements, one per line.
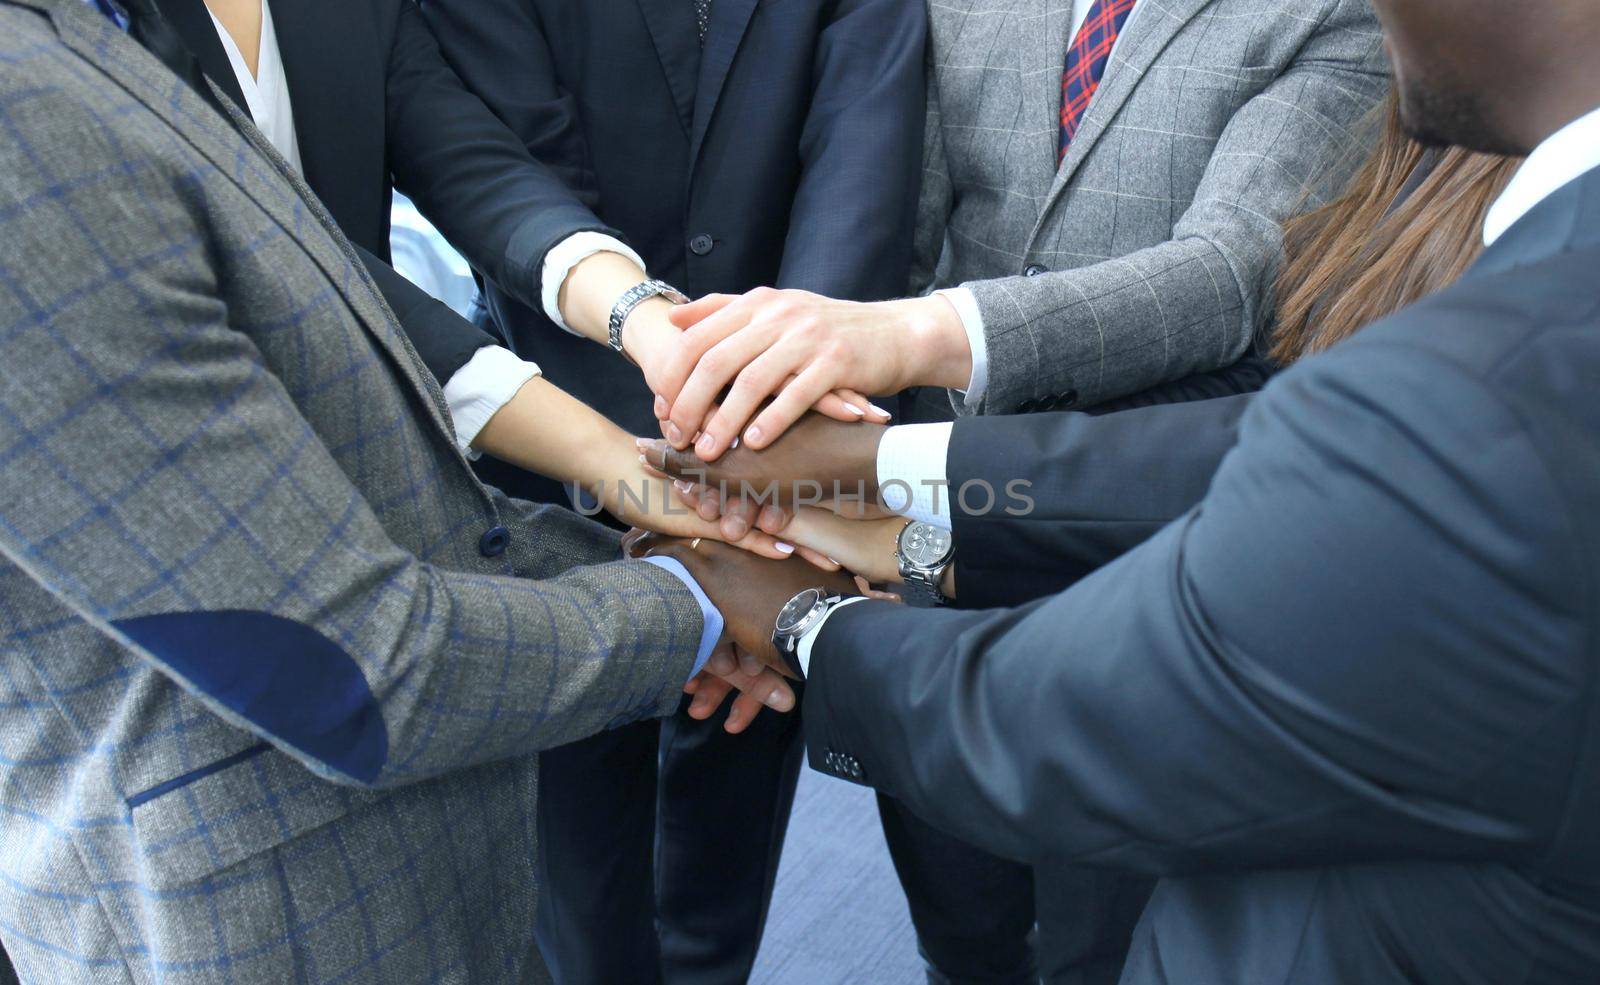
<point>1086,63</point>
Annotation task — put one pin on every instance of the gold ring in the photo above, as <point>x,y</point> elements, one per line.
<point>694,545</point>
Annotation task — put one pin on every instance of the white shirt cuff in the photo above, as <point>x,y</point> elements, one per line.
<point>972,320</point>
<point>802,650</point>
<point>912,476</point>
<point>480,388</point>
<point>565,255</point>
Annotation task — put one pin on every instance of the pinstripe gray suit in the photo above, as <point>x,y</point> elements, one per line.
<point>273,663</point>
<point>1150,245</point>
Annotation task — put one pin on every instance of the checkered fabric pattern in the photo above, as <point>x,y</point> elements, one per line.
<point>1086,62</point>
<point>1145,254</point>
<point>206,410</point>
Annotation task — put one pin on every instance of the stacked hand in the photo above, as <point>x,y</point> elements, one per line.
<point>749,591</point>
<point>793,348</point>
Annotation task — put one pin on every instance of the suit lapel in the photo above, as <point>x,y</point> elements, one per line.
<point>1151,28</point>
<point>1045,43</point>
<point>729,20</point>
<point>336,88</point>
<point>672,29</point>
<point>262,177</point>
<point>193,23</point>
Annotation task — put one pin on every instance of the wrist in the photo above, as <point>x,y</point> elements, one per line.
<point>934,349</point>
<point>647,334</point>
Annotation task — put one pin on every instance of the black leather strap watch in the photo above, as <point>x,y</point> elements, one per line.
<point>631,299</point>
<point>798,617</point>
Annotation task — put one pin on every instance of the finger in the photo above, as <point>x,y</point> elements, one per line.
<point>722,662</point>
<point>687,315</point>
<point>749,664</point>
<point>787,407</point>
<point>721,365</point>
<point>708,696</point>
<point>769,372</point>
<point>710,507</point>
<point>839,406</point>
<point>818,559</point>
<point>691,346</point>
<point>875,414</point>
<point>738,517</point>
<point>773,519</point>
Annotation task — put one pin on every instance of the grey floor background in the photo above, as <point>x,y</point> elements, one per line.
<point>838,917</point>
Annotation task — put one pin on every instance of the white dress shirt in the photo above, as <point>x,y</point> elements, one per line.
<point>1564,156</point>
<point>266,93</point>
<point>494,374</point>
<point>960,297</point>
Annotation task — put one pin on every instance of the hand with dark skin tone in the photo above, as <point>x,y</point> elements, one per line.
<point>816,460</point>
<point>748,590</point>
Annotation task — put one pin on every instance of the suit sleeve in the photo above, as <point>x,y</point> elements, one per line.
<point>470,174</point>
<point>499,48</point>
<point>1366,643</point>
<point>443,339</point>
<point>167,490</point>
<point>1075,491</point>
<point>1195,302</point>
<point>851,225</point>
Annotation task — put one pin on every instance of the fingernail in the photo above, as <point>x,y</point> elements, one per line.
<point>734,443</point>
<point>661,408</point>
<point>674,433</point>
<point>644,444</point>
<point>779,700</point>
<point>752,434</point>
<point>706,446</point>
<point>721,664</point>
<point>834,560</point>
<point>879,411</point>
<point>749,664</point>
<point>643,460</point>
<point>852,408</point>
<point>771,516</point>
<point>737,527</point>
<point>785,548</point>
<point>683,485</point>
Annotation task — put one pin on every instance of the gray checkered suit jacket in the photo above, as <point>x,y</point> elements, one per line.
<point>1150,245</point>
<point>273,664</point>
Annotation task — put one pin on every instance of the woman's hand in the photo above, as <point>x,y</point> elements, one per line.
<point>795,347</point>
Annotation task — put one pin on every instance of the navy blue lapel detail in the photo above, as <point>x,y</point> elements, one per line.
<point>729,20</point>
<point>676,37</point>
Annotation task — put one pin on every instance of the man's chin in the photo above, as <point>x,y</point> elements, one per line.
<point>1438,118</point>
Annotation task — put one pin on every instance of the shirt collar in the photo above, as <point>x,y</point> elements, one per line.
<point>1565,155</point>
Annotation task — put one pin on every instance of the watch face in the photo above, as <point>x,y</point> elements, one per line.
<point>798,608</point>
<point>925,545</point>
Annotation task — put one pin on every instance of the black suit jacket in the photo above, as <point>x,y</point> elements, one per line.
<point>376,107</point>
<point>787,152</point>
<point>1366,748</point>
<point>1098,482</point>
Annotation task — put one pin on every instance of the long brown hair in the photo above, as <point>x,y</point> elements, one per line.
<point>1354,261</point>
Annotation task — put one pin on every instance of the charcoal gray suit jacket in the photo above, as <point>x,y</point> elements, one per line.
<point>1348,706</point>
<point>274,664</point>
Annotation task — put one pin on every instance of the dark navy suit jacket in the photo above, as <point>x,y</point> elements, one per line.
<point>1348,707</point>
<point>787,152</point>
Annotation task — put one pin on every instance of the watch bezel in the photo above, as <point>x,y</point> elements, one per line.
<point>797,627</point>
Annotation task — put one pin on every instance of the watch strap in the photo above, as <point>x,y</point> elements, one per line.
<point>631,299</point>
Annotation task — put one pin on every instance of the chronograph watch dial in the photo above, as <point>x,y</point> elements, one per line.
<point>923,552</point>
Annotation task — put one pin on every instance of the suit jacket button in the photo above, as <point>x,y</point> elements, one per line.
<point>1028,406</point>
<point>1047,403</point>
<point>1034,270</point>
<point>1069,399</point>
<point>494,541</point>
<point>701,245</point>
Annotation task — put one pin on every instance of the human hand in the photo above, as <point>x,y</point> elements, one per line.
<point>814,460</point>
<point>748,590</point>
<point>795,347</point>
<point>723,675</point>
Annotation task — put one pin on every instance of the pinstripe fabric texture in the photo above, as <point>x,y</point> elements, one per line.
<point>1154,238</point>
<point>209,418</point>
